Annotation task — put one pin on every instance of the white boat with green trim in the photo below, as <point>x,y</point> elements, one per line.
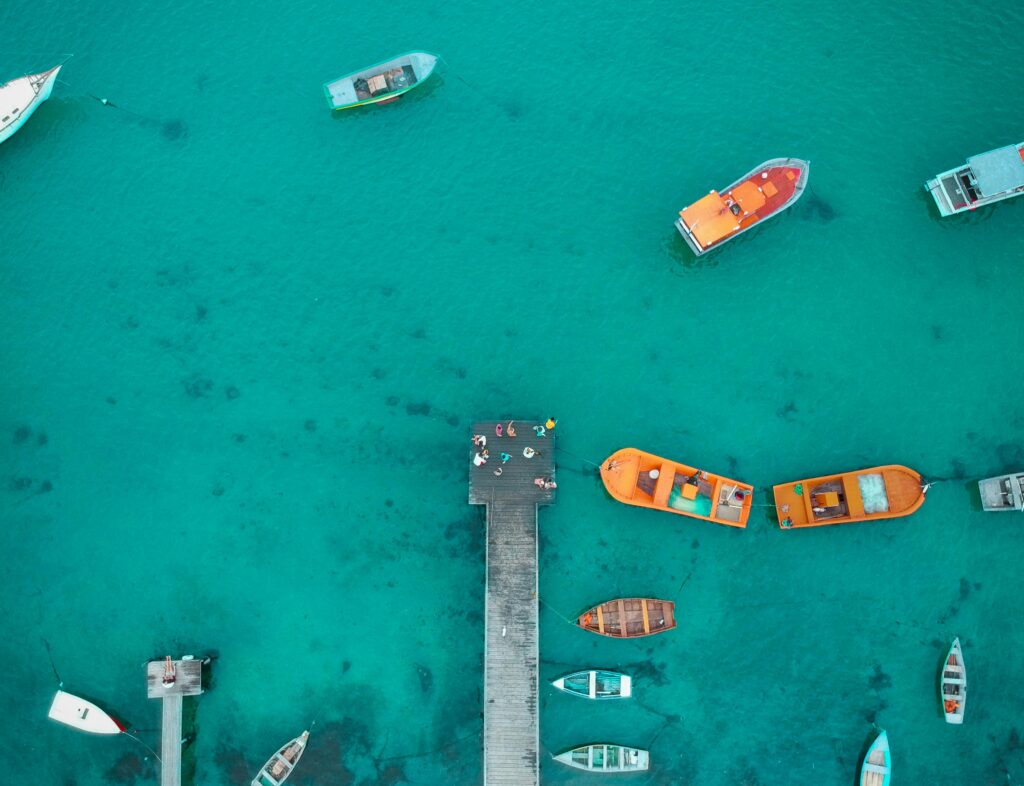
<point>603,757</point>
<point>381,83</point>
<point>596,684</point>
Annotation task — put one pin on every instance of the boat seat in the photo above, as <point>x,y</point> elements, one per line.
<point>879,768</point>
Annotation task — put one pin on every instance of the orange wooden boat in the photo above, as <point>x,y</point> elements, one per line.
<point>877,493</point>
<point>761,193</point>
<point>629,618</point>
<point>648,481</point>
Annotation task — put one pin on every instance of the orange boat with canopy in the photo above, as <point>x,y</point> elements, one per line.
<point>762,193</point>
<point>887,492</point>
<point>648,481</point>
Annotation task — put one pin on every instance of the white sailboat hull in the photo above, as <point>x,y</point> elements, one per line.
<point>20,97</point>
<point>82,715</point>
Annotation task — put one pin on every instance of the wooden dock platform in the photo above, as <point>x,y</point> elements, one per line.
<point>511,746</point>
<point>188,682</point>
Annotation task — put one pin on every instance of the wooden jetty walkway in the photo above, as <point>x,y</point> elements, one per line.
<point>188,681</point>
<point>511,745</point>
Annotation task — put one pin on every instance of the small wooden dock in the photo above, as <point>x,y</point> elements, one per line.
<point>511,745</point>
<point>188,681</point>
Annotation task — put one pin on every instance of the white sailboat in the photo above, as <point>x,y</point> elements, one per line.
<point>83,715</point>
<point>20,97</point>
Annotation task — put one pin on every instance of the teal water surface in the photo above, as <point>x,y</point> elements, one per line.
<point>244,341</point>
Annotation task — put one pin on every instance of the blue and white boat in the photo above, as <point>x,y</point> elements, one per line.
<point>20,97</point>
<point>596,684</point>
<point>877,767</point>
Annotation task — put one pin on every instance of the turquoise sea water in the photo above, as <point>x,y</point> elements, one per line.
<point>243,341</point>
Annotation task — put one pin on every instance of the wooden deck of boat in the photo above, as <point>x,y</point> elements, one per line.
<point>188,683</point>
<point>510,744</point>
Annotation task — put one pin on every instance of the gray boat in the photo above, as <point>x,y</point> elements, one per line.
<point>1003,492</point>
<point>986,178</point>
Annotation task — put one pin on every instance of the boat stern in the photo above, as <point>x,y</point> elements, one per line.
<point>625,686</point>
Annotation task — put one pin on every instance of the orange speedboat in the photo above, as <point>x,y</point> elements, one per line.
<point>877,493</point>
<point>766,191</point>
<point>648,481</point>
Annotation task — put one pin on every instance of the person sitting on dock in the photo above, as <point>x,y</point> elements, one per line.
<point>480,440</point>
<point>479,460</point>
<point>540,431</point>
<point>505,457</point>
<point>510,429</point>
<point>529,452</point>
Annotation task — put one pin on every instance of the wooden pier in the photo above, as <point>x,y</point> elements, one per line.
<point>511,746</point>
<point>188,681</point>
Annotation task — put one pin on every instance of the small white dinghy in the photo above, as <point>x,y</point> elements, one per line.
<point>606,758</point>
<point>596,684</point>
<point>953,685</point>
<point>82,715</point>
<point>282,763</point>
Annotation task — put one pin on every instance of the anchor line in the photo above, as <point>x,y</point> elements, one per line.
<point>60,682</point>
<point>144,745</point>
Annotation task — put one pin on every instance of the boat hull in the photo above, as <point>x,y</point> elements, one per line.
<point>595,683</point>
<point>885,492</point>
<point>606,757</point>
<point>876,770</point>
<point>343,93</point>
<point>762,193</point>
<point>953,685</point>
<point>25,96</point>
<point>956,190</point>
<point>635,477</point>
<point>83,715</point>
<point>629,618</point>
<point>1002,493</point>
<point>281,765</point>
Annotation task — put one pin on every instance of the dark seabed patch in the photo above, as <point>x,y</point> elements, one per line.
<point>129,768</point>
<point>871,713</point>
<point>232,763</point>
<point>421,408</point>
<point>879,680</point>
<point>1011,456</point>
<point>647,671</point>
<point>426,677</point>
<point>817,209</point>
<point>21,434</point>
<point>787,410</point>
<point>197,386</point>
<point>174,130</point>
<point>334,745</point>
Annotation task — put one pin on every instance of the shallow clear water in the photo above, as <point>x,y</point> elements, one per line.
<point>244,341</point>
